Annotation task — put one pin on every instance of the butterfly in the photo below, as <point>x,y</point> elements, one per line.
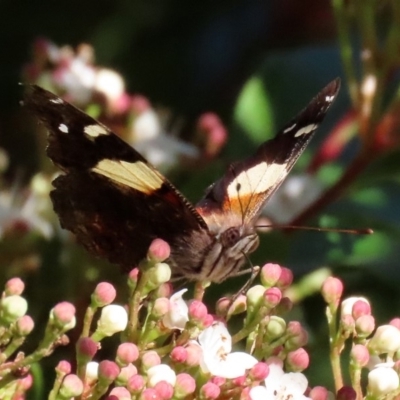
<point>116,203</point>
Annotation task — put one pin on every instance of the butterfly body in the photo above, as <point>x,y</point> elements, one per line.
<point>116,203</point>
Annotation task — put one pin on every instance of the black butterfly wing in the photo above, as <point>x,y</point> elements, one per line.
<point>109,196</point>
<point>241,193</point>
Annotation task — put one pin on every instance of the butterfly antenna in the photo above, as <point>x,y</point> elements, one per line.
<point>362,231</point>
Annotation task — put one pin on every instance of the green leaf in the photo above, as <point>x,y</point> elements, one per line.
<point>253,111</point>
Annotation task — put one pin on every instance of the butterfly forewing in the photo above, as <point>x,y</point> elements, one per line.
<point>110,197</point>
<point>116,203</point>
<point>247,185</point>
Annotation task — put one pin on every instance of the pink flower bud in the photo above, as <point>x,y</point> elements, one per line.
<point>125,374</point>
<point>222,305</point>
<point>161,307</point>
<point>150,394</point>
<point>14,286</point>
<point>164,390</point>
<point>164,290</point>
<point>159,250</point>
<point>104,294</point>
<point>133,278</point>
<point>239,381</point>
<point>208,321</point>
<point>184,386</point>
<point>108,371</point>
<point>270,274</point>
<point>285,279</point>
<point>272,297</point>
<point>197,311</point>
<point>210,391</point>
<point>26,382</point>
<point>365,325</point>
<point>259,372</point>
<point>347,324</point>
<point>347,305</point>
<point>64,315</point>
<point>332,290</point>
<point>71,386</point>
<point>395,322</point>
<point>297,360</point>
<point>319,393</point>
<point>346,393</point>
<point>86,349</point>
<point>297,336</point>
<point>360,355</point>
<point>24,325</point>
<point>194,355</point>
<point>122,393</point>
<point>360,308</point>
<point>136,384</point>
<point>179,354</point>
<point>150,359</point>
<point>63,367</point>
<point>127,353</point>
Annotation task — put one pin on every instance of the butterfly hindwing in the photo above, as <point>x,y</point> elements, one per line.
<point>109,196</point>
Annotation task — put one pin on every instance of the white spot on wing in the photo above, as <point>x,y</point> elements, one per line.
<point>290,128</point>
<point>63,128</point>
<point>257,179</point>
<point>137,175</point>
<point>57,101</point>
<point>329,99</point>
<point>306,130</point>
<point>95,130</point>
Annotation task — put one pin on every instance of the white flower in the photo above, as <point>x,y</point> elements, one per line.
<point>294,195</point>
<point>347,304</point>
<point>161,372</point>
<point>386,339</point>
<point>217,359</point>
<point>92,369</point>
<point>382,380</point>
<point>280,385</point>
<point>110,83</point>
<point>178,313</point>
<point>113,319</point>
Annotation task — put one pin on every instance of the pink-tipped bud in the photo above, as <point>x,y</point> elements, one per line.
<point>179,354</point>
<point>395,322</point>
<point>184,386</point>
<point>164,290</point>
<point>346,393</point>
<point>64,315</point>
<point>161,307</point>
<point>285,279</point>
<point>347,325</point>
<point>197,311</point>
<point>122,393</point>
<point>104,294</point>
<point>360,355</point>
<point>127,353</point>
<point>208,321</point>
<point>218,380</point>
<point>272,297</point>
<point>125,374</point>
<point>319,393</point>
<point>365,325</point>
<point>332,290</point>
<point>86,348</point>
<point>297,360</point>
<point>159,250</point>
<point>133,278</point>
<point>360,308</point>
<point>347,305</point>
<point>194,354</point>
<point>150,359</point>
<point>164,389</point>
<point>136,384</point>
<point>222,305</point>
<point>239,381</point>
<point>270,274</point>
<point>259,372</point>
<point>24,325</point>
<point>14,286</point>
<point>297,336</point>
<point>71,386</point>
<point>108,371</point>
<point>26,382</point>
<point>63,367</point>
<point>150,394</point>
<point>210,391</point>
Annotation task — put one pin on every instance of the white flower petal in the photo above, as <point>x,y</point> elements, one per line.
<point>258,393</point>
<point>178,314</point>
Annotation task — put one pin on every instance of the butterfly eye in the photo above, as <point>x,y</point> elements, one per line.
<point>230,237</point>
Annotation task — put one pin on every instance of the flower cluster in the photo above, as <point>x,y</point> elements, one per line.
<point>172,348</point>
